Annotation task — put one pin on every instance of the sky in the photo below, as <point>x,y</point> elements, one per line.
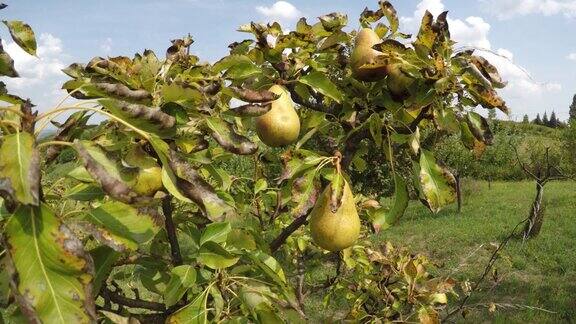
<point>530,41</point>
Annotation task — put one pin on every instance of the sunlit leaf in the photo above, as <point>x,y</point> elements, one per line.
<point>20,168</point>
<point>53,274</point>
<point>181,279</point>
<point>384,219</point>
<point>437,184</point>
<point>214,256</point>
<point>319,82</point>
<point>22,34</point>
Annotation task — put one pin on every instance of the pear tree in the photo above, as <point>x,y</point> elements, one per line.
<point>179,191</point>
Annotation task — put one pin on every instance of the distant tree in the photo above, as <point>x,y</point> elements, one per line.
<point>545,120</point>
<point>573,109</point>
<point>554,122</point>
<point>525,120</point>
<point>537,121</point>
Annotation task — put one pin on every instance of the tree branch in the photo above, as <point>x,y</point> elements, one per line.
<point>171,231</point>
<point>278,241</point>
<point>119,299</point>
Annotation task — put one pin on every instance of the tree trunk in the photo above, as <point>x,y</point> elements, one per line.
<point>534,224</point>
<point>458,192</point>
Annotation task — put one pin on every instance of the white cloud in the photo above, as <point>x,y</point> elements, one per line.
<point>106,46</point>
<point>505,9</point>
<point>279,11</point>
<point>571,56</point>
<point>40,77</point>
<point>473,32</point>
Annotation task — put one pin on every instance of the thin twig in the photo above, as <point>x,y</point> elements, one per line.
<point>287,231</point>
<point>491,262</point>
<point>171,231</point>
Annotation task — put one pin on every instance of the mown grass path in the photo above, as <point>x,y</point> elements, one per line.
<point>539,273</point>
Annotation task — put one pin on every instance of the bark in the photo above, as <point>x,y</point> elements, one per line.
<point>534,224</point>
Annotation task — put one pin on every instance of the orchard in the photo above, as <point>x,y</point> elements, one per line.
<point>179,191</point>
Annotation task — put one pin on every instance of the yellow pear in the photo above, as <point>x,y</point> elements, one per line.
<point>281,125</point>
<point>339,230</point>
<point>398,82</point>
<point>363,53</point>
<point>148,181</point>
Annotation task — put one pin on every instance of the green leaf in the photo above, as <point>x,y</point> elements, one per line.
<point>23,35</point>
<point>181,279</point>
<point>84,192</point>
<point>216,232</point>
<point>214,256</point>
<point>104,259</point>
<point>319,82</point>
<point>123,227</point>
<point>193,313</point>
<point>260,185</point>
<point>438,185</point>
<point>384,219</point>
<point>53,274</point>
<point>20,168</point>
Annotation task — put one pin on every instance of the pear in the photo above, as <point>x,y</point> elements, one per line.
<point>398,82</point>
<point>280,125</point>
<point>148,181</point>
<point>363,53</point>
<point>339,230</point>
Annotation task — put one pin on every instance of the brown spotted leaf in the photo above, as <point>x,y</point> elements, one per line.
<point>23,35</point>
<point>20,169</point>
<point>305,191</point>
<point>437,185</point>
<point>7,64</point>
<point>224,133</point>
<point>254,96</point>
<point>106,173</point>
<point>194,187</point>
<point>143,117</point>
<point>488,70</point>
<point>250,110</point>
<point>479,127</point>
<point>51,273</point>
<point>390,13</point>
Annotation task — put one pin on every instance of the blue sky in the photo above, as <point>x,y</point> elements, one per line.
<point>529,40</point>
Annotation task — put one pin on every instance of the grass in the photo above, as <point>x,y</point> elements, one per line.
<point>540,273</point>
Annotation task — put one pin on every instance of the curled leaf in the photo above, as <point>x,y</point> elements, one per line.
<point>194,187</point>
<point>251,110</point>
<point>254,96</point>
<point>154,116</point>
<point>224,133</point>
<point>92,158</point>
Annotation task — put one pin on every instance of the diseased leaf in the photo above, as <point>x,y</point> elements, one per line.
<point>224,133</point>
<point>304,193</point>
<point>22,34</point>
<point>437,184</point>
<point>390,13</point>
<point>426,35</point>
<point>333,21</point>
<point>250,110</point>
<point>121,226</point>
<point>254,96</point>
<point>194,187</point>
<point>479,127</point>
<point>7,64</point>
<point>146,118</point>
<point>51,273</point>
<point>20,169</point>
<point>106,173</point>
<point>319,82</point>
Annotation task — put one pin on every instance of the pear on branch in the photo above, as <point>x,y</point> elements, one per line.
<point>364,54</point>
<point>334,221</point>
<point>280,126</point>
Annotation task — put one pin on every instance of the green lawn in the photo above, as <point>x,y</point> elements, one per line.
<point>539,273</point>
